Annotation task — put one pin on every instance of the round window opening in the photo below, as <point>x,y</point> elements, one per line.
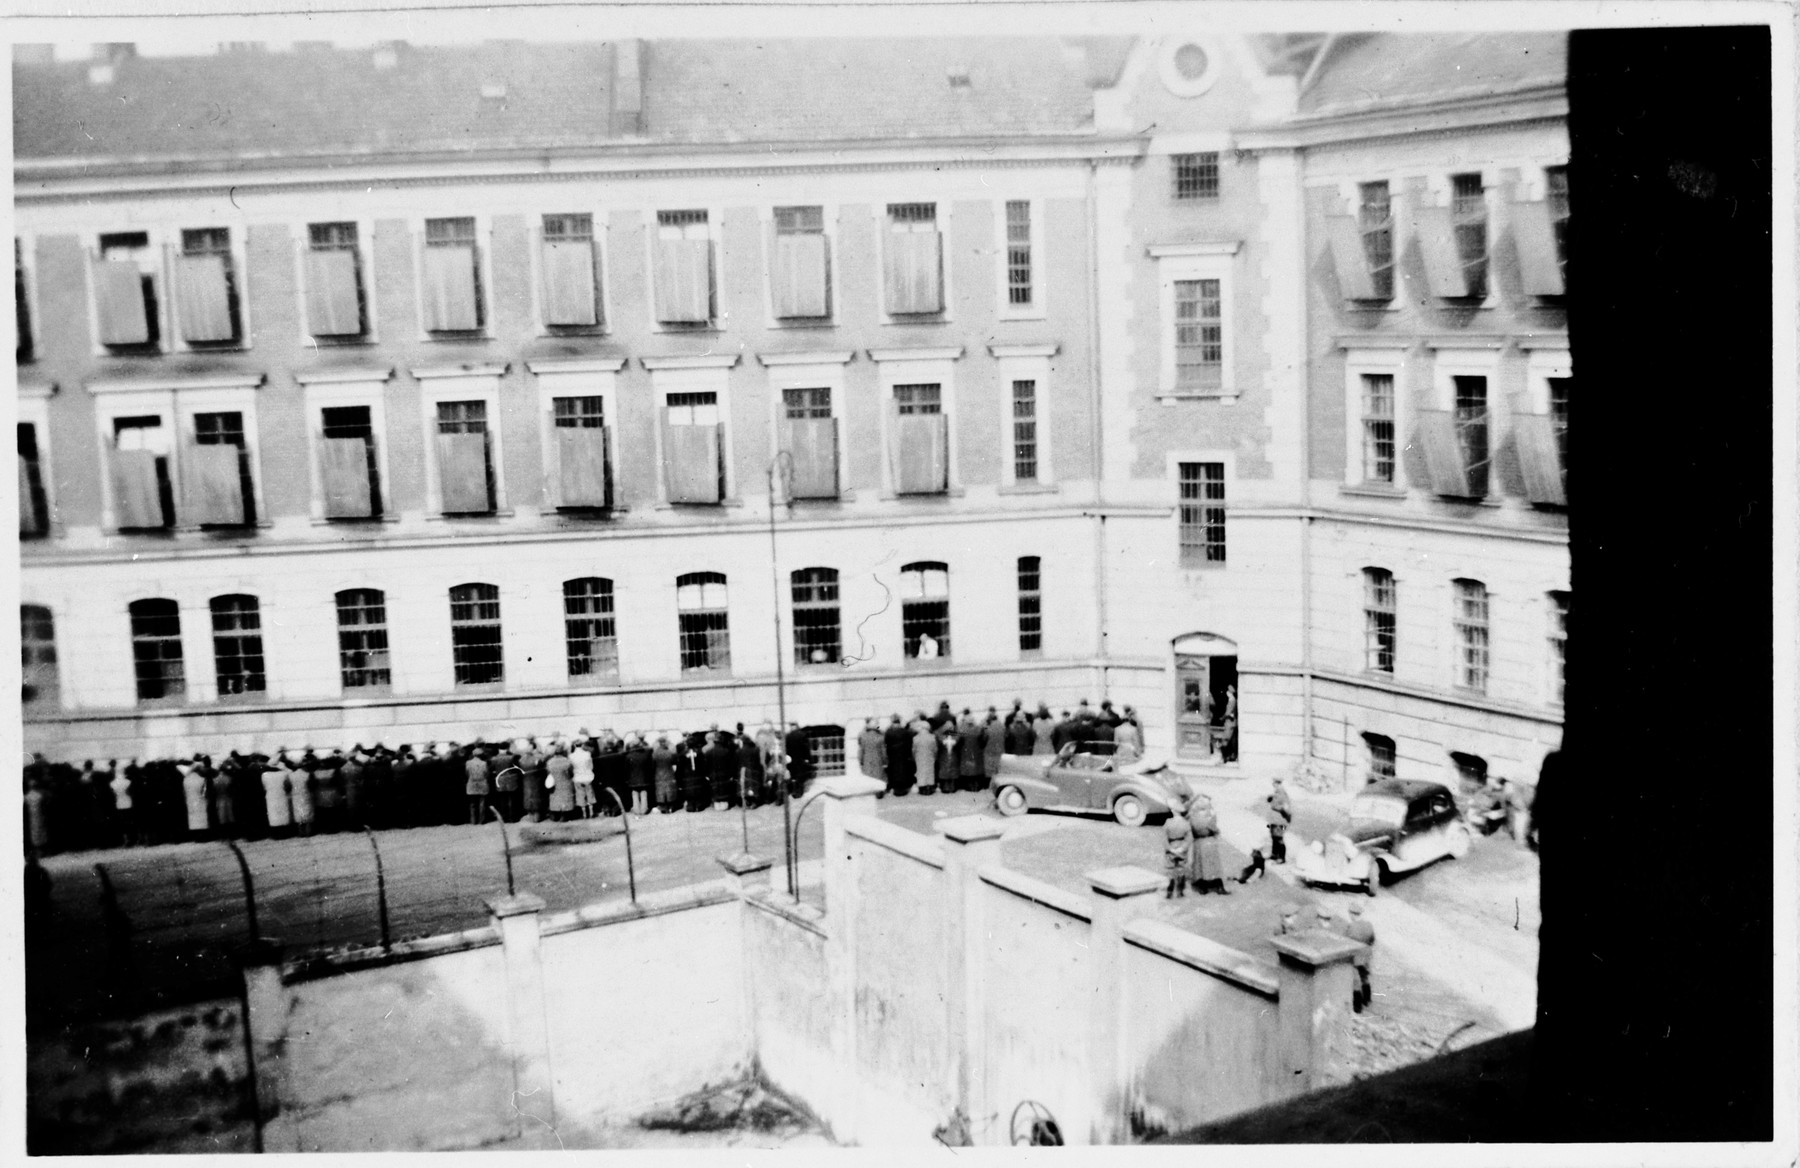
<point>1191,62</point>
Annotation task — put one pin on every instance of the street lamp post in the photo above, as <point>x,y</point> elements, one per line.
<point>781,465</point>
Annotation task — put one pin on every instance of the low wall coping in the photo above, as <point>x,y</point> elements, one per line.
<point>744,863</point>
<point>910,844</point>
<point>653,904</point>
<point>851,786</point>
<point>968,829</point>
<point>349,960</point>
<point>1209,957</point>
<point>1128,880</point>
<point>779,904</point>
<point>1315,948</point>
<point>514,904</point>
<point>1039,891</point>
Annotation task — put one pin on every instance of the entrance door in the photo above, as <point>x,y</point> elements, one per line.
<point>1194,706</point>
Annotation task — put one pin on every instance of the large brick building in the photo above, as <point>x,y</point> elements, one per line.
<point>413,392</point>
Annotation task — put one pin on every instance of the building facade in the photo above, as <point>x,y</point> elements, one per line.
<point>473,414</point>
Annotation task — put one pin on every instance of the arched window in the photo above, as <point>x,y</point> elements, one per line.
<point>37,654</point>
<point>363,638</point>
<point>925,610</point>
<point>1031,606</point>
<point>1471,771</point>
<point>588,629</point>
<point>1381,756</point>
<point>156,650</point>
<point>1380,612</point>
<point>701,609</point>
<point>817,637</point>
<point>1471,621</point>
<point>475,634</point>
<point>237,645</point>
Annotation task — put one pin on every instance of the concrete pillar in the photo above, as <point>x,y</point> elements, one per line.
<point>1120,894</point>
<point>1317,978</point>
<point>527,1022</point>
<point>265,1009</point>
<point>844,797</point>
<point>745,873</point>
<point>971,841</point>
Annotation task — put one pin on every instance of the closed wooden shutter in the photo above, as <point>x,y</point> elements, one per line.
<point>30,522</point>
<point>921,453</point>
<point>1435,434</point>
<point>581,467</point>
<point>212,490</point>
<point>136,496</point>
<point>914,272</point>
<point>684,281</point>
<point>201,299</point>
<point>344,473</point>
<point>1539,267</point>
<point>331,306</point>
<point>1347,256</point>
<point>450,289</point>
<point>812,444</point>
<point>799,276</point>
<point>691,463</point>
<point>1437,245</point>
<point>119,297</point>
<point>569,284</point>
<point>462,473</point>
<point>1539,461</point>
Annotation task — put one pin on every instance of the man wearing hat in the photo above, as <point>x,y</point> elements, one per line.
<point>1281,813</point>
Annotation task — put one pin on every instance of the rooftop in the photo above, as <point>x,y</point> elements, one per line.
<point>1368,72</point>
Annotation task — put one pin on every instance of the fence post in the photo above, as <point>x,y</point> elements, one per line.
<point>971,842</point>
<point>1119,894</point>
<point>515,916</point>
<point>505,849</point>
<point>1317,979</point>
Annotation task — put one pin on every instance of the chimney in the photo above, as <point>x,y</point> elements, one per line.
<point>627,89</point>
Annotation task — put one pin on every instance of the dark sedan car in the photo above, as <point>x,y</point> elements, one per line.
<point>1395,825</point>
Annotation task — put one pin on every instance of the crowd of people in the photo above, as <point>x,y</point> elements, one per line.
<point>248,794</point>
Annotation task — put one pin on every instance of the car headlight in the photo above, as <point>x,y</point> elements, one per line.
<point>1318,847</point>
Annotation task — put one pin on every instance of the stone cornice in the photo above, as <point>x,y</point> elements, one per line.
<point>835,357</point>
<point>703,361</point>
<point>177,385</point>
<point>436,372</point>
<point>578,365</point>
<point>942,353</point>
<point>342,376</point>
<point>1046,349</point>
<point>37,389</point>
<point>1210,247</point>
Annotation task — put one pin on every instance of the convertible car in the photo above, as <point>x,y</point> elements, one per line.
<point>1395,825</point>
<point>1084,777</point>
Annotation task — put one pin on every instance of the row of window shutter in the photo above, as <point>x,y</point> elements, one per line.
<point>1533,233</point>
<point>1534,441</point>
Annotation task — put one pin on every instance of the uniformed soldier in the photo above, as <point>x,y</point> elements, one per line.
<point>1178,842</point>
<point>1361,930</point>
<point>1290,920</point>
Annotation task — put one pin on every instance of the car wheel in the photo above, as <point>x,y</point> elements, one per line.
<point>1129,810</point>
<point>1459,840</point>
<point>1011,801</point>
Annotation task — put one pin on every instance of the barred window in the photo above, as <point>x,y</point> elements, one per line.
<point>1380,613</point>
<point>826,745</point>
<point>681,225</point>
<point>1025,431</point>
<point>363,639</point>
<point>1381,756</point>
<point>460,233</point>
<point>1556,182</point>
<point>1471,623</point>
<point>925,610</point>
<point>237,645</point>
<point>216,242</point>
<point>1199,334</point>
<point>800,220</point>
<point>801,404</point>
<point>701,604</point>
<point>1031,605</point>
<point>227,429</point>
<point>356,422</point>
<point>331,236</point>
<point>912,216</point>
<point>1559,644</point>
<point>475,634</point>
<point>470,417</point>
<point>817,636</point>
<point>1559,424</point>
<point>37,654</point>
<point>1471,420</point>
<point>450,232</point>
<point>1018,253</point>
<point>693,409</point>
<point>579,413</point>
<point>1202,514</point>
<point>919,399</point>
<point>1469,218</point>
<point>1196,175</point>
<point>156,650</point>
<point>568,228</point>
<point>1378,427</point>
<point>588,628</point>
<point>1375,221</point>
